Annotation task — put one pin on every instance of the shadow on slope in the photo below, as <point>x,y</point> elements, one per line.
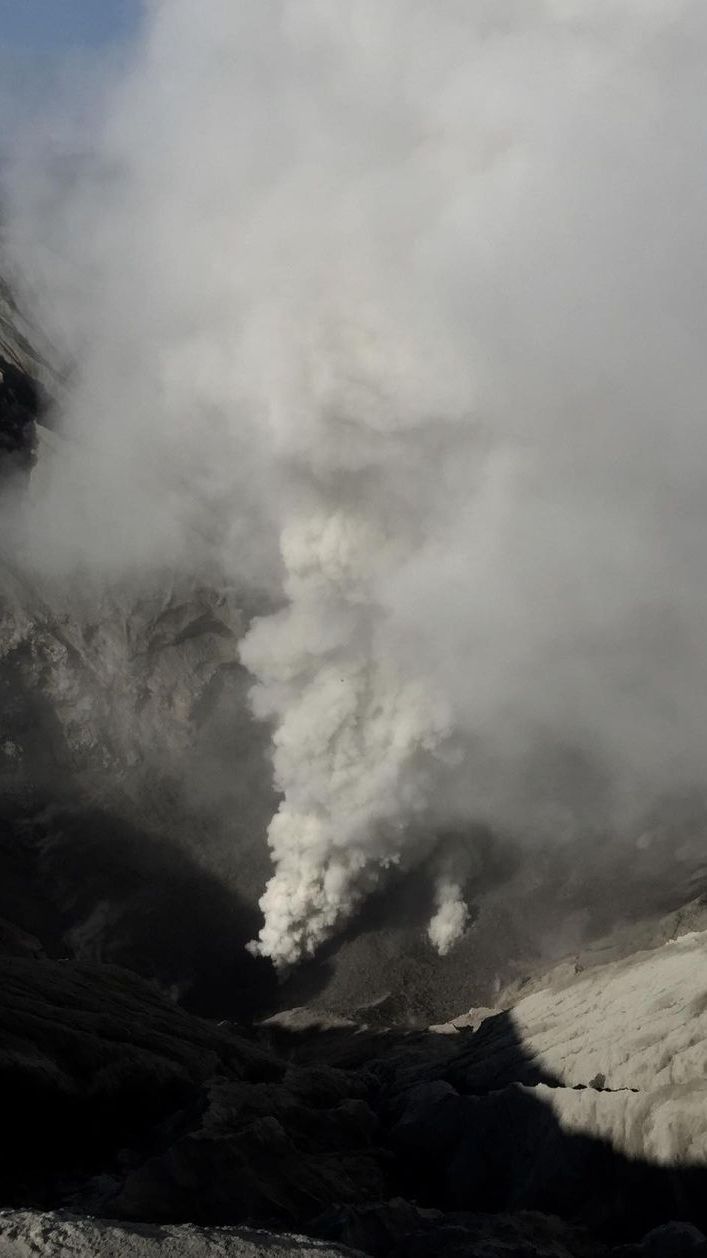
<point>116,1102</point>
<point>94,888</point>
<point>92,885</point>
<point>471,1126</point>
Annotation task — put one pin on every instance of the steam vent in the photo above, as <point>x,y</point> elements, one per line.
<point>353,629</point>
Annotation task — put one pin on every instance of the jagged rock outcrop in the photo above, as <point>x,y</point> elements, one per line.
<point>27,381</point>
<point>22,343</point>
<point>134,791</point>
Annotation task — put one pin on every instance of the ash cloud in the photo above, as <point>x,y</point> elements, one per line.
<point>398,312</point>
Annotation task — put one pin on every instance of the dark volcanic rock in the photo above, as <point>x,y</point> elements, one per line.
<point>20,403</point>
<point>15,942</point>
<point>26,381</point>
<point>101,1076</point>
<point>133,788</point>
<point>262,1152</point>
<point>674,1240</point>
<point>93,1058</point>
<point>398,1229</point>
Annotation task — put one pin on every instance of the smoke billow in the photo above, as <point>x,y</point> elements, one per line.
<point>397,310</point>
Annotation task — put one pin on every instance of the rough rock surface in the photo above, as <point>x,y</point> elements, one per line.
<point>116,1099</point>
<point>24,1234</point>
<point>26,382</point>
<point>22,343</point>
<point>121,680</point>
<point>586,1102</point>
<point>587,1097</point>
<point>134,790</point>
<point>93,1058</point>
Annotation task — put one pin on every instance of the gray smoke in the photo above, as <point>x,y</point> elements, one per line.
<point>398,311</point>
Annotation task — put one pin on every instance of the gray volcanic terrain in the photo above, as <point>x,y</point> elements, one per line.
<point>353,633</point>
<point>136,792</point>
<point>564,1116</point>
